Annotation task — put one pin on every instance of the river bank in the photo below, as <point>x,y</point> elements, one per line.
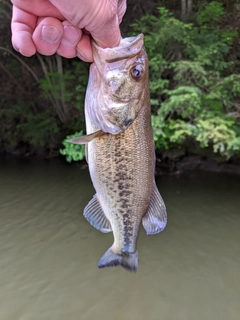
<point>164,164</point>
<point>195,163</point>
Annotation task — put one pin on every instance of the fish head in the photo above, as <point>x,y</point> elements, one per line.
<point>122,77</point>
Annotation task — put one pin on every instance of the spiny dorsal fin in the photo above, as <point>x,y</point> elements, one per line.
<point>94,214</point>
<point>86,139</point>
<point>155,220</point>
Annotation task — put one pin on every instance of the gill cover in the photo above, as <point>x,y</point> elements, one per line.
<point>116,85</point>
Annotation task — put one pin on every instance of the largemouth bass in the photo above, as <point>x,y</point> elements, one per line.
<point>120,150</point>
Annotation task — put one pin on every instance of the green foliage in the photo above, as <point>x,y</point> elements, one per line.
<point>194,93</point>
<point>194,85</point>
<point>73,152</point>
<point>41,97</point>
<point>208,130</point>
<point>74,80</point>
<point>37,129</point>
<point>81,70</point>
<point>30,117</point>
<point>51,85</point>
<point>220,133</point>
<point>184,101</point>
<point>209,14</point>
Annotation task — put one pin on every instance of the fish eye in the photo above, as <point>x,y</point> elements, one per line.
<point>137,72</point>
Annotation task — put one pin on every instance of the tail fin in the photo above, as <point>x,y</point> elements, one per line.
<point>129,261</point>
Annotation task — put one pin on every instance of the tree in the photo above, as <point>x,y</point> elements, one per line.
<point>195,95</point>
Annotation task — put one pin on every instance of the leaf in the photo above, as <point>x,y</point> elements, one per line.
<point>73,152</point>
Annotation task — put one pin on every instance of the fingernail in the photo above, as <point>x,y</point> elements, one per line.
<point>50,34</point>
<point>70,36</point>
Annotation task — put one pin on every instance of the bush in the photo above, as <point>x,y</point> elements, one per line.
<point>73,152</point>
<point>194,94</point>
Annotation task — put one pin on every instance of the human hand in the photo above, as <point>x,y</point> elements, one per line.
<point>50,26</point>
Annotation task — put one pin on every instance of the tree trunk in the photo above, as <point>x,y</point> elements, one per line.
<point>189,7</point>
<point>62,86</point>
<point>186,8</point>
<point>52,95</point>
<point>183,7</point>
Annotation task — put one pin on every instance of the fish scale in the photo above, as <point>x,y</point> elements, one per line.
<point>125,198</point>
<point>120,151</point>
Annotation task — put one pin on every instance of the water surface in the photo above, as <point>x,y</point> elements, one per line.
<point>49,252</point>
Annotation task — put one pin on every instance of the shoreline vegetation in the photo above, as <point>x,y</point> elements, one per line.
<point>194,66</point>
<point>164,164</point>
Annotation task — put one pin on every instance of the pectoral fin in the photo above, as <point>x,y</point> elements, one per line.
<point>155,219</point>
<point>86,139</point>
<point>94,214</point>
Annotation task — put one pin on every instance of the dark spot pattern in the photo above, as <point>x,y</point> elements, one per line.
<point>122,171</point>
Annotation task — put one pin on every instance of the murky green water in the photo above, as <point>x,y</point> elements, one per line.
<point>49,252</point>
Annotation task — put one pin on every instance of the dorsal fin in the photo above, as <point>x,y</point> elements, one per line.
<point>155,220</point>
<point>94,214</point>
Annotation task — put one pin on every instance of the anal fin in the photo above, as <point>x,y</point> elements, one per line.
<point>155,220</point>
<point>94,214</point>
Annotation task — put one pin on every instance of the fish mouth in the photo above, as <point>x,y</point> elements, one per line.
<point>122,51</point>
<point>124,43</point>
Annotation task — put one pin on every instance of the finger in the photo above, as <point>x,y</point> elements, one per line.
<point>106,32</point>
<point>100,18</point>
<point>84,49</point>
<point>70,38</point>
<point>108,35</point>
<point>22,25</point>
<point>40,8</point>
<point>122,7</point>
<point>47,35</point>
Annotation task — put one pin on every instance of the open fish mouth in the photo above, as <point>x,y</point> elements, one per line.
<point>121,52</point>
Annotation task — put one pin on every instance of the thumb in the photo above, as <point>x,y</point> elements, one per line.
<point>108,35</point>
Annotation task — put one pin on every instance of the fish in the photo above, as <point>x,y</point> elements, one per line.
<point>120,150</point>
